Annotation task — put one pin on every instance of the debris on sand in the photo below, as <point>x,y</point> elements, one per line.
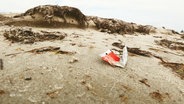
<point>120,27</point>
<point>1,64</point>
<point>158,96</point>
<point>54,94</point>
<point>49,12</point>
<point>123,98</point>
<point>136,51</point>
<point>176,67</point>
<point>171,44</point>
<point>2,92</point>
<point>119,45</point>
<point>87,85</point>
<point>50,49</point>
<point>114,58</point>
<point>27,36</point>
<point>28,78</point>
<point>44,49</point>
<point>65,52</point>
<point>144,81</point>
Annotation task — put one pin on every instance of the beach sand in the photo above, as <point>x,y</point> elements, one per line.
<point>80,76</point>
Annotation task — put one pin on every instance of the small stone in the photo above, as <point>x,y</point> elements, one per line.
<point>28,78</point>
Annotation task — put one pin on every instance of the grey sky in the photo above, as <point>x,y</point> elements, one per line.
<point>168,13</point>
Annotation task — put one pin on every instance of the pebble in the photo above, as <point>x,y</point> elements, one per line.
<point>28,78</point>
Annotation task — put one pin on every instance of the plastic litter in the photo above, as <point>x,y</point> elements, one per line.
<point>115,59</point>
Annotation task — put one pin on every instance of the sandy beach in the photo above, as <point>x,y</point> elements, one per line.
<point>69,70</point>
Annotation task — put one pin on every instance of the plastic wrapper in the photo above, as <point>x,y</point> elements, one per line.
<point>115,59</point>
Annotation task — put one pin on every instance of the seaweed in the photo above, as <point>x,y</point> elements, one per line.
<point>50,11</point>
<point>27,36</point>
<point>136,51</point>
<point>171,44</point>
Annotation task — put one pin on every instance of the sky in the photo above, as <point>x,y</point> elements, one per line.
<point>167,13</point>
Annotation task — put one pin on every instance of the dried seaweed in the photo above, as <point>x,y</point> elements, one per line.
<point>176,67</point>
<point>65,52</point>
<point>54,94</point>
<point>136,51</point>
<point>45,49</point>
<point>144,81</point>
<point>157,96</point>
<point>120,27</point>
<point>27,36</point>
<point>50,11</point>
<point>119,45</point>
<point>171,44</point>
